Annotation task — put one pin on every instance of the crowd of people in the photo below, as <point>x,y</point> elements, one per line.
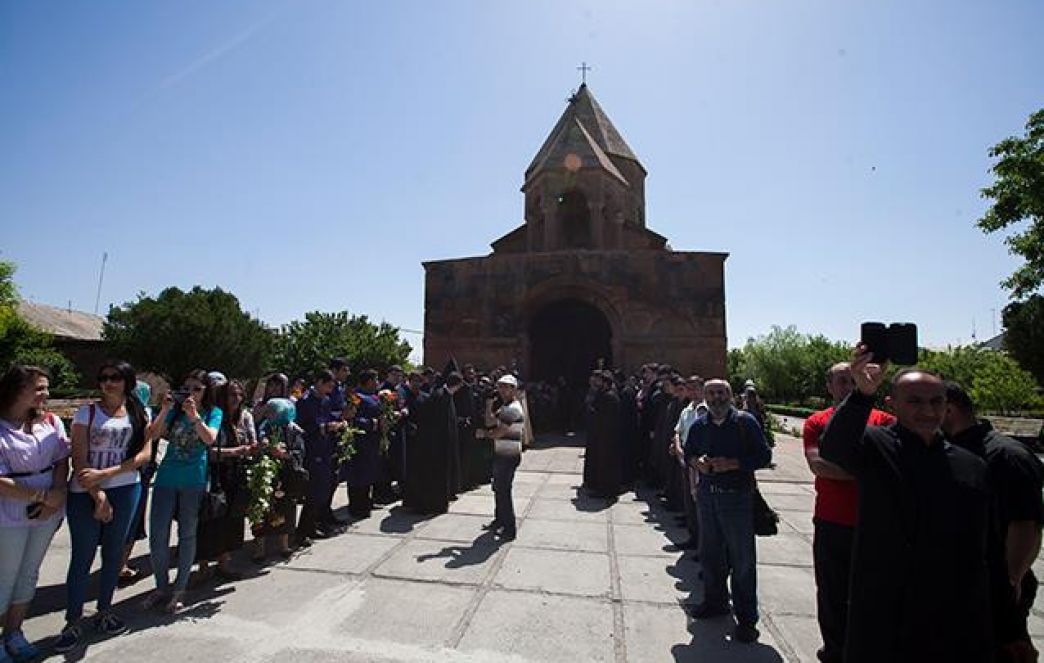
<point>227,462</point>
<point>926,521</point>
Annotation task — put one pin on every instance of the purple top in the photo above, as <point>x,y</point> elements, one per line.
<point>30,452</point>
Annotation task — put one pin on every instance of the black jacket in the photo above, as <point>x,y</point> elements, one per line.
<point>920,584</point>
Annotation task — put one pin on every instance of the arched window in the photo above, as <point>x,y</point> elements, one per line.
<point>574,220</point>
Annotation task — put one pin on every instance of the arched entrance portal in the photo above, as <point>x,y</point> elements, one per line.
<point>566,339</point>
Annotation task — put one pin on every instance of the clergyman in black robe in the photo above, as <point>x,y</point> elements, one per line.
<point>603,459</point>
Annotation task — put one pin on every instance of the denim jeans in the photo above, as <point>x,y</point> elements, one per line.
<point>86,533</point>
<point>727,547</point>
<point>503,476</point>
<point>22,549</point>
<point>165,500</point>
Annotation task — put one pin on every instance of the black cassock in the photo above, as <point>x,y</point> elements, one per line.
<point>629,431</point>
<point>920,588</point>
<point>468,417</point>
<point>431,429</point>
<point>603,459</point>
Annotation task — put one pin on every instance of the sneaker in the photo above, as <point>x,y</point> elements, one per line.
<point>745,633</point>
<point>109,624</point>
<point>70,639</point>
<point>708,611</point>
<point>19,648</point>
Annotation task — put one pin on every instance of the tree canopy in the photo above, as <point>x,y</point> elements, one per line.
<point>304,346</point>
<point>21,342</point>
<point>1024,334</point>
<point>1018,200</point>
<point>177,332</point>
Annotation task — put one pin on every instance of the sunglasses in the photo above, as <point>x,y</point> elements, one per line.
<point>110,377</point>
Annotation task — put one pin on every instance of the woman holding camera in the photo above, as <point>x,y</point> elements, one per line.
<point>109,443</point>
<point>190,422</point>
<point>34,467</point>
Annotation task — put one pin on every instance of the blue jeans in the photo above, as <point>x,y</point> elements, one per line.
<point>165,500</point>
<point>22,549</point>
<point>503,477</point>
<point>86,533</point>
<point>727,545</point>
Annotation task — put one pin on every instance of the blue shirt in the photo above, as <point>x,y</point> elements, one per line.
<point>185,462</point>
<point>726,440</point>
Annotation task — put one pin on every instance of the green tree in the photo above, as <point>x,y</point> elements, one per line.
<point>1018,198</point>
<point>179,331</point>
<point>21,342</point>
<point>1024,334</point>
<point>303,346</point>
<point>787,366</point>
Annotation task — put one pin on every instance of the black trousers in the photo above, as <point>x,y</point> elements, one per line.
<point>503,478</point>
<point>360,501</point>
<point>832,557</point>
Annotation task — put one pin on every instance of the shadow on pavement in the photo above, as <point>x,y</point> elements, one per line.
<point>711,641</point>
<point>480,550</point>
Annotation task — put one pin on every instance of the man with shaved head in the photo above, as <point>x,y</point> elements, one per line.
<point>920,585</point>
<point>725,446</point>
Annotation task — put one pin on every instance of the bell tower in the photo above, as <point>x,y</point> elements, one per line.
<point>585,186</point>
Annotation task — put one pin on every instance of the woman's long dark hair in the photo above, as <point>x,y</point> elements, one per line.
<point>17,378</point>
<point>230,418</point>
<point>135,408</point>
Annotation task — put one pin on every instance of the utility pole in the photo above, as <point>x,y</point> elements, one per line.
<point>101,279</point>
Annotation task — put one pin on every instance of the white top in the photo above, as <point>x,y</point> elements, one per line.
<point>689,414</point>
<point>107,443</point>
<point>33,452</point>
<point>513,416</point>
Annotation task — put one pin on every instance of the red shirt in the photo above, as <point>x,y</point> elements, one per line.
<point>837,501</point>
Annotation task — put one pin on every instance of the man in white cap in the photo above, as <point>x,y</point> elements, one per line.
<point>506,431</point>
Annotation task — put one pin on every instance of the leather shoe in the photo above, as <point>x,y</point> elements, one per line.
<point>745,633</point>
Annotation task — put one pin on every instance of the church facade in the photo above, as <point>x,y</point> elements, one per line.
<point>583,279</point>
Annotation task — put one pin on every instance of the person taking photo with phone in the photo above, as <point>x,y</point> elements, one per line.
<point>109,443</point>
<point>919,588</point>
<point>34,467</point>
<point>190,421</point>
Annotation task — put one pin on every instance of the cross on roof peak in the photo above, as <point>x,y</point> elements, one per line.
<point>583,69</point>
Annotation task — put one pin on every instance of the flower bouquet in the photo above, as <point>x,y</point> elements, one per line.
<point>389,401</point>
<point>345,449</point>
<point>262,483</point>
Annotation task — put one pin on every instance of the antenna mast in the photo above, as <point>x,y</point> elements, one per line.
<point>101,279</point>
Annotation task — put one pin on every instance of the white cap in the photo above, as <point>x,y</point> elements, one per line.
<point>508,380</point>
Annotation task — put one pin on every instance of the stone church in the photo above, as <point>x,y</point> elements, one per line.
<point>583,279</point>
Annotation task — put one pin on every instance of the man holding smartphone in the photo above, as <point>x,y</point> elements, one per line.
<point>920,584</point>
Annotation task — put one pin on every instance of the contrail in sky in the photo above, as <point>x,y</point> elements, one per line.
<point>214,54</point>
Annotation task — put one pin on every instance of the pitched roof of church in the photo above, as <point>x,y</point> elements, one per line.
<point>585,130</point>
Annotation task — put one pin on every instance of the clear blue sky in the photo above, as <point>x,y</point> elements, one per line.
<point>310,155</point>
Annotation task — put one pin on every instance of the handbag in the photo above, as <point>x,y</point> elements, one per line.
<point>766,521</point>
<point>215,501</point>
<point>294,476</point>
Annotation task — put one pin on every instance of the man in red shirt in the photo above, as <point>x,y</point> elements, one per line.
<point>836,512</point>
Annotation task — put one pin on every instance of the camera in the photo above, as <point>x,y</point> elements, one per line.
<point>179,396</point>
<point>896,342</point>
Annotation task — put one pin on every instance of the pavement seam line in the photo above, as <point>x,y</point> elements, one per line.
<point>619,625</point>
<point>457,634</point>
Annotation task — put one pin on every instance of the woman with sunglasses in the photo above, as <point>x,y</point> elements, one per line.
<point>34,467</point>
<point>110,442</point>
<point>190,422</point>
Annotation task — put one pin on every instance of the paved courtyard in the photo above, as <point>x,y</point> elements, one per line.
<point>584,581</point>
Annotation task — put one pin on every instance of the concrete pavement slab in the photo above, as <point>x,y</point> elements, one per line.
<point>563,535</point>
<point>445,561</point>
<point>463,527</point>
<point>787,589</point>
<point>643,540</point>
<point>347,553</point>
<point>668,580</point>
<point>576,510</point>
<point>556,571</point>
<point>786,548</point>
<point>537,627</point>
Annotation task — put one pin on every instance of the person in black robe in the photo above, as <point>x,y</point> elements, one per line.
<point>603,459</point>
<point>628,427</point>
<point>456,475</point>
<point>427,453</point>
<point>920,588</point>
<point>465,401</point>
<point>414,401</point>
<point>650,398</point>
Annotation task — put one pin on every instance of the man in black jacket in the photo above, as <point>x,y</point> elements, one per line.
<point>1018,478</point>
<point>920,582</point>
